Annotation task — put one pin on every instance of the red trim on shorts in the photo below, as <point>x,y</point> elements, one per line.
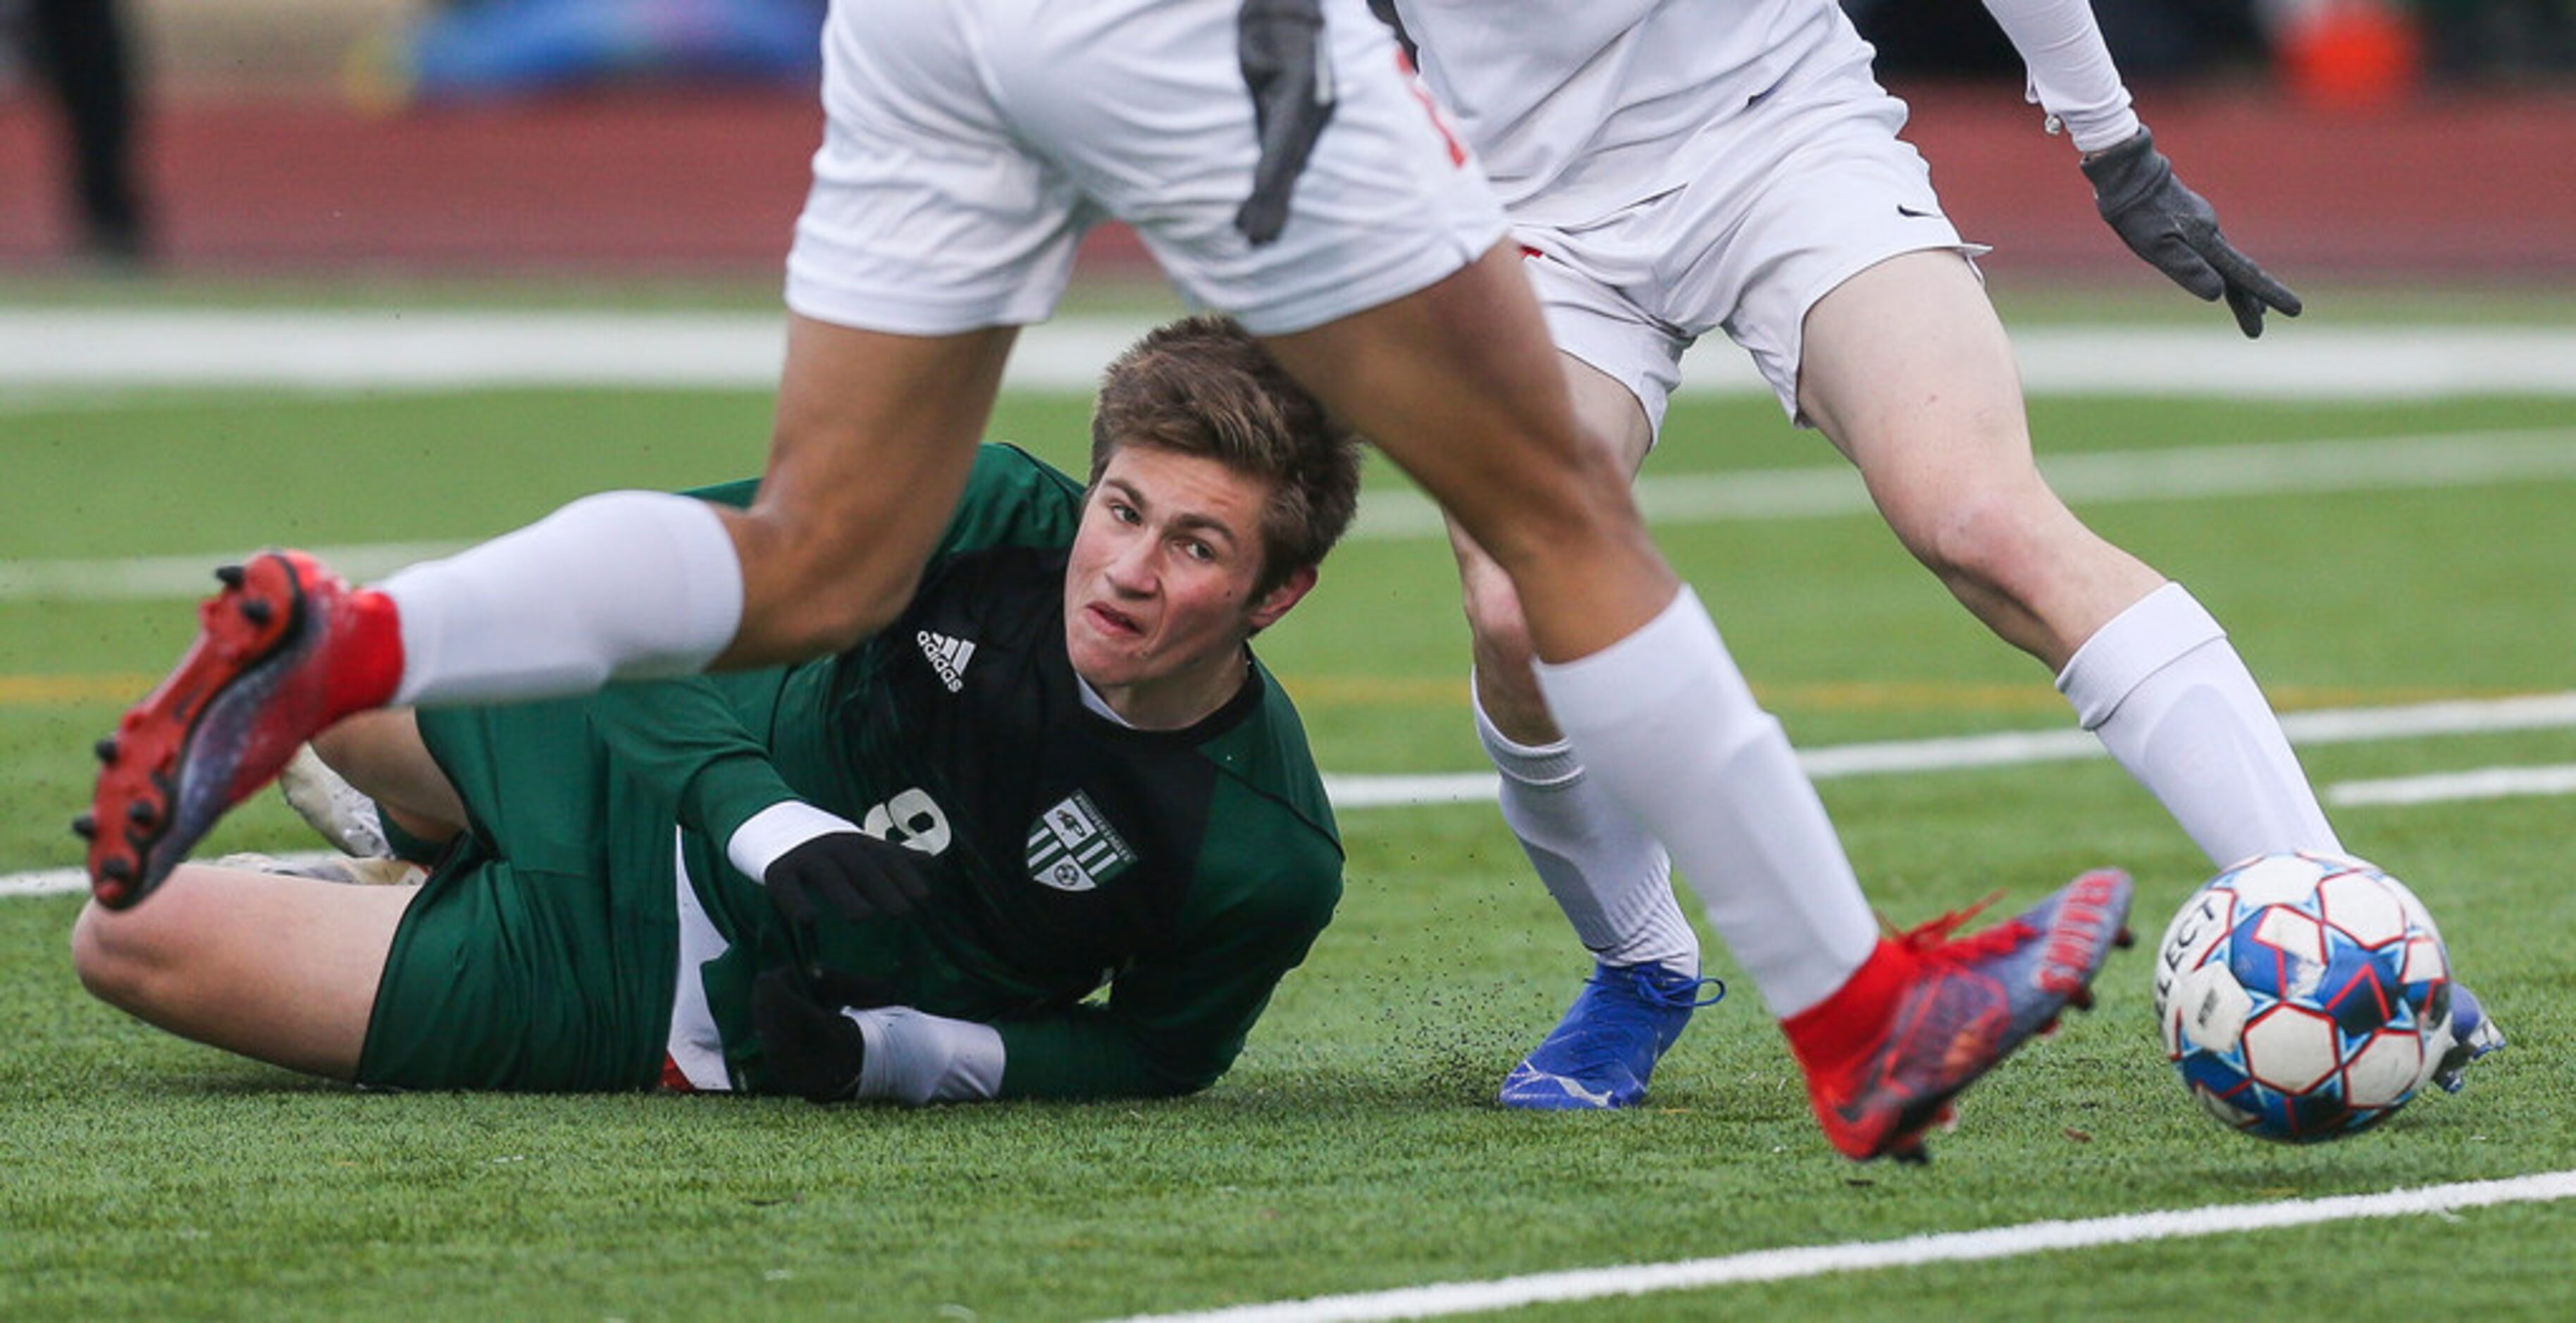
<point>1430,108</point>
<point>673,1079</point>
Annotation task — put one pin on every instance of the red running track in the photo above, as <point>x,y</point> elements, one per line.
<point>677,183</point>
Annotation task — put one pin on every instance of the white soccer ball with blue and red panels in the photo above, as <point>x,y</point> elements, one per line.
<point>2304,997</point>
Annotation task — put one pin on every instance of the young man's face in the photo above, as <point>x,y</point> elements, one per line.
<point>1158,591</point>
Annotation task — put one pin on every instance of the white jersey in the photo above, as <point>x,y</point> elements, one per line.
<point>1581,107</point>
<point>1578,108</point>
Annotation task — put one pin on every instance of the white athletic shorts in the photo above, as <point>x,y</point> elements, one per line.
<point>1810,186</point>
<point>969,143</point>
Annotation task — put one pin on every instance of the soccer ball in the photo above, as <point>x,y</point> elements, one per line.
<point>2304,997</point>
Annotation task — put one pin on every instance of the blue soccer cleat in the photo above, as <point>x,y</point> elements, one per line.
<point>1601,1054</point>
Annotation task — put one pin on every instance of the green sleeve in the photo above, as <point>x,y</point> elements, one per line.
<point>1173,1023</point>
<point>689,737</point>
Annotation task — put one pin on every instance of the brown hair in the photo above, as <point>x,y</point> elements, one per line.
<point>1203,386</point>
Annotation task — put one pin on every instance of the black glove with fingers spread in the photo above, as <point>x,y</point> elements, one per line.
<point>1288,68</point>
<point>857,875</point>
<point>2177,230</point>
<point>812,1049</point>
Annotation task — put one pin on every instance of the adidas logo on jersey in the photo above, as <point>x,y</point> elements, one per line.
<point>947,656</point>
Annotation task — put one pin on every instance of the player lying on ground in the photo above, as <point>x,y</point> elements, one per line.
<point>967,145</point>
<point>1065,767</point>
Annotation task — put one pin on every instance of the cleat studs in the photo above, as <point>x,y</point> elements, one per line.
<point>2124,939</point>
<point>85,827</point>
<point>256,611</point>
<point>231,575</point>
<point>105,749</point>
<point>119,871</point>
<point>140,813</point>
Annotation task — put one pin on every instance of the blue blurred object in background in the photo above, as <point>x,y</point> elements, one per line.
<point>493,48</point>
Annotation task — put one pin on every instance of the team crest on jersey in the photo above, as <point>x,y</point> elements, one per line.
<point>947,656</point>
<point>1073,848</point>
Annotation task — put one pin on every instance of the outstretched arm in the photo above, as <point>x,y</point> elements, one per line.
<point>2172,227</point>
<point>1172,1022</point>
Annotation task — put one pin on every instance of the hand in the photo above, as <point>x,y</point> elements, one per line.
<point>2177,230</point>
<point>1280,44</point>
<point>859,876</point>
<point>812,1049</point>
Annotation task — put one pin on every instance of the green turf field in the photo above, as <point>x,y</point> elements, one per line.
<point>1355,1147</point>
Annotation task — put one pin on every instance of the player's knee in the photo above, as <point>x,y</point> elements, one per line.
<point>1567,504</point>
<point>1992,540</point>
<point>1494,612</point>
<point>137,959</point>
<point>112,953</point>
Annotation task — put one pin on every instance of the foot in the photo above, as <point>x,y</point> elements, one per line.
<point>284,650</point>
<point>2473,1035</point>
<point>345,870</point>
<point>344,814</point>
<point>1602,1052</point>
<point>1941,1012</point>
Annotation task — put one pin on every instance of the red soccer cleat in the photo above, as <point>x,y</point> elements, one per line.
<point>284,650</point>
<point>1927,1015</point>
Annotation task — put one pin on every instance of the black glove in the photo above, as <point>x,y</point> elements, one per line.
<point>2177,230</point>
<point>1281,46</point>
<point>811,1047</point>
<point>859,876</point>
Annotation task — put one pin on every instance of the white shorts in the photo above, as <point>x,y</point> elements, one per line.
<point>1811,187</point>
<point>969,143</point>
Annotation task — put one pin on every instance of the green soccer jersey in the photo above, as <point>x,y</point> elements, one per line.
<point>1184,871</point>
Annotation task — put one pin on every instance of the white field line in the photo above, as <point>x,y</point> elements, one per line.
<point>133,578</point>
<point>1865,1256</point>
<point>2540,712</point>
<point>2449,787</point>
<point>2020,748</point>
<point>2458,459</point>
<point>2396,463</point>
<point>64,881</point>
<point>89,348</point>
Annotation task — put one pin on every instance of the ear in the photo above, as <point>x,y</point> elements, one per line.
<point>1276,602</point>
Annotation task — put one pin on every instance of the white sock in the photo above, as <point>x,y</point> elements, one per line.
<point>2172,701</point>
<point>1664,721</point>
<point>1614,882</point>
<point>619,586</point>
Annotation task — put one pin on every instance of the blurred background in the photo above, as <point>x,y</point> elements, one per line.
<point>2342,140</point>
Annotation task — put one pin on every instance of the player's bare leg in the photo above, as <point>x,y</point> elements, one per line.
<point>1459,385</point>
<point>1908,371</point>
<point>874,438</point>
<point>381,755</point>
<point>284,969</point>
